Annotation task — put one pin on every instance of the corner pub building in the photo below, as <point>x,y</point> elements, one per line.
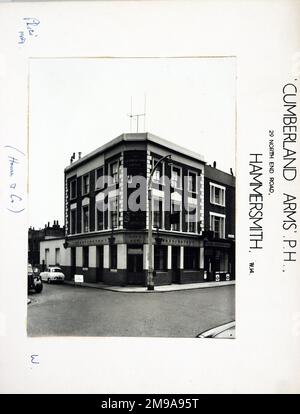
<point>111,246</point>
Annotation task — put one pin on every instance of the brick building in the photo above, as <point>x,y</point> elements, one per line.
<point>111,245</point>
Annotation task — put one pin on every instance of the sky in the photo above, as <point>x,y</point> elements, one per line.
<point>80,104</point>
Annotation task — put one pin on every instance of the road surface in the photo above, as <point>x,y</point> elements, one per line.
<point>64,310</point>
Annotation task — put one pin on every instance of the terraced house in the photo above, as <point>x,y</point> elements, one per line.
<point>107,207</point>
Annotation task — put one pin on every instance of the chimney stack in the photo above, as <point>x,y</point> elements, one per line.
<point>79,155</point>
<point>215,164</point>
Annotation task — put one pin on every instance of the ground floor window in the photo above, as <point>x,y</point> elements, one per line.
<point>85,256</point>
<point>160,257</point>
<point>191,258</point>
<point>113,256</point>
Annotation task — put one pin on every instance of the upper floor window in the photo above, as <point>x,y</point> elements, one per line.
<point>217,194</point>
<point>85,219</point>
<point>114,172</point>
<point>73,189</point>
<point>192,218</point>
<point>217,225</point>
<point>192,179</point>
<point>157,175</point>
<point>175,215</point>
<point>99,215</point>
<point>157,213</point>
<point>86,184</point>
<point>175,177</point>
<point>99,172</point>
<point>113,212</point>
<point>99,183</point>
<point>73,221</point>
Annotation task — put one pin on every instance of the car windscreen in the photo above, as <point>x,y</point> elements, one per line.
<point>56,269</point>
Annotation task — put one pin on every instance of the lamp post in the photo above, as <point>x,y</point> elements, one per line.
<point>150,282</point>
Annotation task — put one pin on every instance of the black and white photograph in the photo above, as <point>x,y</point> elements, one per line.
<point>149,200</point>
<point>132,197</point>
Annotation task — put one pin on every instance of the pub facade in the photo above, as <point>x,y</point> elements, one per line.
<point>106,214</point>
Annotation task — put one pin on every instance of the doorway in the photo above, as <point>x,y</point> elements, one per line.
<point>73,261</point>
<point>135,263</point>
<point>99,264</point>
<point>175,264</point>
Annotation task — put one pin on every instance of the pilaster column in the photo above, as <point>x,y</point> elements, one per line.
<point>106,256</point>
<point>181,263</point>
<point>122,256</point>
<point>79,256</point>
<point>169,257</point>
<point>92,256</point>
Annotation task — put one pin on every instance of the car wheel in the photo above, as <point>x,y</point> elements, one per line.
<point>49,281</point>
<point>39,288</point>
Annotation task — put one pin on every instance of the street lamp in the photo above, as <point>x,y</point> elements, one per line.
<point>150,282</point>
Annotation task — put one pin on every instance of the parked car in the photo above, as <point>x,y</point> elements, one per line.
<point>34,279</point>
<point>226,331</point>
<point>53,274</point>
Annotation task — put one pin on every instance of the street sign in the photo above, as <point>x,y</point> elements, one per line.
<point>78,278</point>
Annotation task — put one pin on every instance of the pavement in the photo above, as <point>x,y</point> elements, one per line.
<point>142,289</point>
<point>64,310</point>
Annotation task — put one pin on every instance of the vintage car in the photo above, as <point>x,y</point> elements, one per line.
<point>53,274</point>
<point>34,279</point>
<point>226,331</point>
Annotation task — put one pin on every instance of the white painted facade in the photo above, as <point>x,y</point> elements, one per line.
<point>52,252</point>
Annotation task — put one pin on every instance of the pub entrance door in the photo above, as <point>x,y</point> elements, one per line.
<point>99,263</point>
<point>175,264</point>
<point>135,264</point>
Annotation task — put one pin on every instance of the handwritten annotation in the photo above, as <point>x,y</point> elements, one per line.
<point>31,26</point>
<point>15,159</point>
